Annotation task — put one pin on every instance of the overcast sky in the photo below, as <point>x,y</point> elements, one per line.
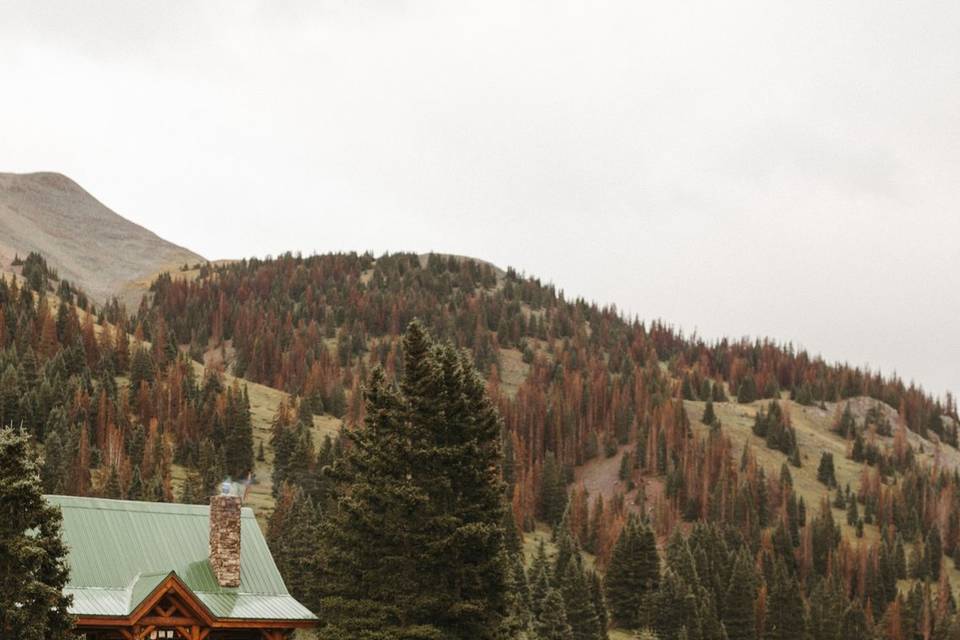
<point>785,169</point>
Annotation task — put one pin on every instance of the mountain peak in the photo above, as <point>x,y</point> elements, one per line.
<point>89,244</point>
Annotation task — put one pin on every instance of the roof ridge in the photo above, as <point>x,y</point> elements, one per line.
<point>142,506</point>
<point>196,591</point>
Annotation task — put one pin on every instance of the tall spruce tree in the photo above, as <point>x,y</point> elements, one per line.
<point>855,623</point>
<point>292,535</point>
<point>111,488</point>
<point>33,571</point>
<point>553,500</point>
<point>826,472</point>
<point>414,547</point>
<point>578,601</point>
<point>739,617</point>
<point>632,574</point>
<point>709,417</point>
<point>599,604</point>
<point>933,552</point>
<point>238,442</point>
<point>785,619</point>
<point>827,604</point>
<point>552,623</point>
<point>676,610</point>
<point>518,621</point>
<point>539,579</point>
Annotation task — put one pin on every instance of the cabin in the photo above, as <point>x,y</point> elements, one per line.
<point>156,571</point>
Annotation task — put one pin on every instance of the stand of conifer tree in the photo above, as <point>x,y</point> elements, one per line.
<point>32,568</point>
<point>414,547</point>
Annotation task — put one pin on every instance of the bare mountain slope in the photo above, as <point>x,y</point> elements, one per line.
<point>86,242</point>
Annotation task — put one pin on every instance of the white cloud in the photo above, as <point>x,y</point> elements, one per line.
<point>747,167</point>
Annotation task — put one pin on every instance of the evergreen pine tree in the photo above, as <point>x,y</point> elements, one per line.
<point>680,558</point>
<point>112,489</point>
<point>826,473</point>
<point>424,466</point>
<point>599,604</point>
<point>210,466</point>
<point>539,579</point>
<point>300,465</point>
<point>553,499</point>
<point>747,392</point>
<point>933,550</point>
<point>596,524</point>
<point>626,466</point>
<point>675,611</point>
<point>552,623</point>
<point>827,604</point>
<point>284,441</point>
<point>899,558</point>
<point>33,571</point>
<point>795,457</point>
<point>919,567</point>
<point>567,547</point>
<point>193,491</point>
<point>54,464</point>
<point>136,490</point>
<point>854,623</point>
<point>578,601</point>
<point>719,395</point>
<point>293,535</point>
<point>709,417</point>
<point>853,513</point>
<point>785,618</point>
<point>739,618</point>
<point>632,573</point>
<point>238,443</point>
<point>142,368</point>
<point>517,621</point>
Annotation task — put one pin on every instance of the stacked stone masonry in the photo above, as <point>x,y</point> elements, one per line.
<point>225,539</point>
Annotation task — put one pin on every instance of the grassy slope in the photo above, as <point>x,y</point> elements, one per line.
<point>814,436</point>
<point>263,406</point>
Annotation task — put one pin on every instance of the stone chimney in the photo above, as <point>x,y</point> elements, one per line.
<point>225,537</point>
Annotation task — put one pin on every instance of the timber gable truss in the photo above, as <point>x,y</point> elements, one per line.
<point>173,612</point>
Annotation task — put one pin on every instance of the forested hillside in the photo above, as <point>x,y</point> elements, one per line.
<point>574,380</point>
<point>735,489</point>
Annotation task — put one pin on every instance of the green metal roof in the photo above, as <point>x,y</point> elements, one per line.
<point>121,550</point>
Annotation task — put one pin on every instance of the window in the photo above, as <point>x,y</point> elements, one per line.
<point>163,634</point>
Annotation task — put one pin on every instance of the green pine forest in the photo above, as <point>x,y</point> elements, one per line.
<point>454,451</point>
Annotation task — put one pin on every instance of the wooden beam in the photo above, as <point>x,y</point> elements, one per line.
<point>260,623</point>
<point>168,621</point>
<point>251,624</point>
<point>180,607</point>
<point>146,632</point>
<point>170,587</point>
